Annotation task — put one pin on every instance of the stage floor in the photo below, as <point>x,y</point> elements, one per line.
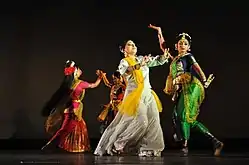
<point>168,158</point>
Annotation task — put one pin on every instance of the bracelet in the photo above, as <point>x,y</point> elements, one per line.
<point>136,67</point>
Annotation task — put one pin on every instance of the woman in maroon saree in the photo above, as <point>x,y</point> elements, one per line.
<point>72,134</point>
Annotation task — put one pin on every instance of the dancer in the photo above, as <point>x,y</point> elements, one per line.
<point>137,123</point>
<point>186,83</point>
<point>72,135</point>
<point>116,96</point>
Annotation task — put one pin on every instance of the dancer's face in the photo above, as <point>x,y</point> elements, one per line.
<point>116,80</point>
<point>182,46</point>
<point>130,48</point>
<point>78,73</point>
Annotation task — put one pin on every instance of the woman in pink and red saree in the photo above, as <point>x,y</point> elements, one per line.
<point>65,119</point>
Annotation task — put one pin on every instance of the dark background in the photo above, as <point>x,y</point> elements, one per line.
<point>37,39</point>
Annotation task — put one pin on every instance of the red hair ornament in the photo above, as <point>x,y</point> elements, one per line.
<point>69,71</point>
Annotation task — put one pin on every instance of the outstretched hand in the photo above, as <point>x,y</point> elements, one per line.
<point>209,80</point>
<point>145,59</point>
<point>100,73</point>
<point>155,28</point>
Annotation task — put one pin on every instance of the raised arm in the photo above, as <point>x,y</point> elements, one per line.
<point>97,82</point>
<point>160,38</point>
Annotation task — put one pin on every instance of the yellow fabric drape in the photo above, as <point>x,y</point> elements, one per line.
<point>78,111</point>
<point>102,116</point>
<point>131,102</point>
<point>158,102</point>
<point>169,89</point>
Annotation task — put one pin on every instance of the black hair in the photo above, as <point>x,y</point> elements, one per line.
<point>117,74</point>
<point>61,95</point>
<point>185,35</point>
<point>122,46</point>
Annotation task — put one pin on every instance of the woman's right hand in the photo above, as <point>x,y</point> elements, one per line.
<point>100,73</point>
<point>145,60</point>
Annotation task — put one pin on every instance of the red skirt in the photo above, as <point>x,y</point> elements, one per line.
<point>73,134</point>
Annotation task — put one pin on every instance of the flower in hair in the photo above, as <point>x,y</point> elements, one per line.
<point>69,70</point>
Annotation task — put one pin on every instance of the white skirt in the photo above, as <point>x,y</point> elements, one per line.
<point>142,132</point>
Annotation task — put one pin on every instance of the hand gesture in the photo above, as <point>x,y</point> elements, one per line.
<point>166,53</point>
<point>99,73</point>
<point>145,59</point>
<point>159,30</point>
<point>209,80</point>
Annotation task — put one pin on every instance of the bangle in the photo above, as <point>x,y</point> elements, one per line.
<point>137,66</point>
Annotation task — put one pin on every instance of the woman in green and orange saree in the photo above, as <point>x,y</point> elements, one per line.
<point>66,104</point>
<point>186,83</point>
